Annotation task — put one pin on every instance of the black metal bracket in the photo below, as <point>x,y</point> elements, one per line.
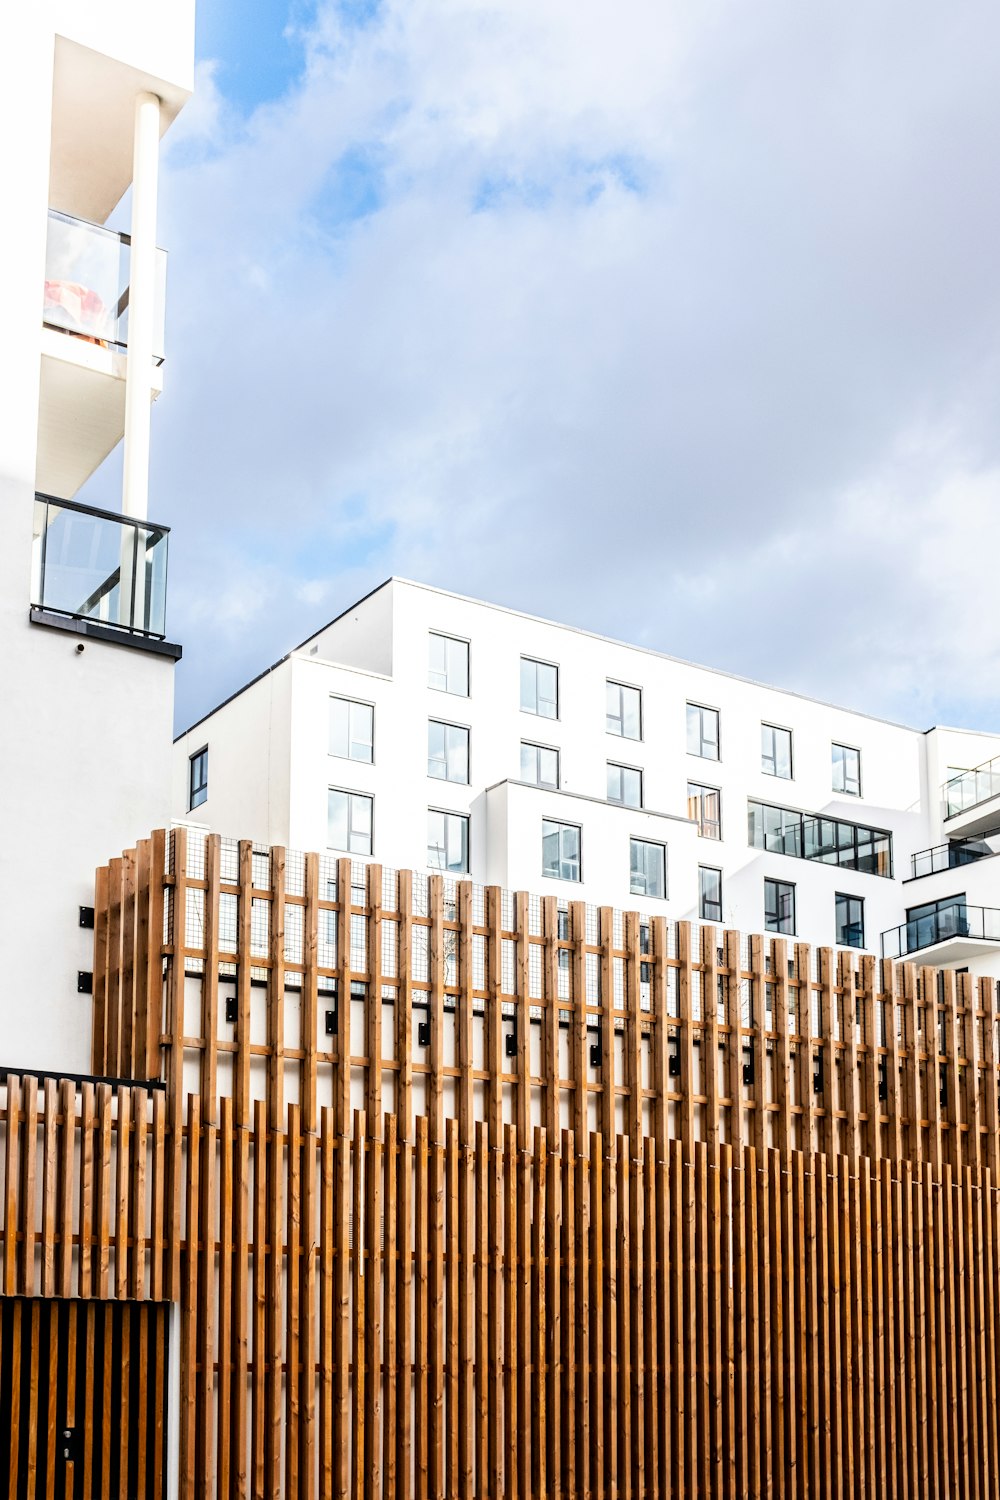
<point>231,1010</point>
<point>423,1033</point>
<point>674,1057</point>
<point>84,982</point>
<point>818,1075</point>
<point>883,1081</point>
<point>748,1066</point>
<point>943,1079</point>
<point>87,917</point>
<point>331,1023</point>
<point>510,1040</point>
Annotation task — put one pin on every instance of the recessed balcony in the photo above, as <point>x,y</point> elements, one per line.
<point>952,933</point>
<point>100,574</point>
<point>84,346</point>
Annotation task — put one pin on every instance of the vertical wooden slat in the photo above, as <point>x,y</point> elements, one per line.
<point>276,995</point>
<point>224,1403</point>
<point>258,1414</point>
<point>175,1061</point>
<point>50,1188</point>
<point>29,1152</point>
<point>293,1272</point>
<point>244,917</point>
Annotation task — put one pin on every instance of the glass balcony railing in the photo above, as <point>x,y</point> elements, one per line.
<point>952,919</point>
<point>87,283</point>
<point>95,565</point>
<point>949,856</point>
<point>972,787</point>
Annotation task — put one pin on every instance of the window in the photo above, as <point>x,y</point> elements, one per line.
<point>560,850</point>
<point>779,906</point>
<point>705,807</point>
<point>447,751</point>
<point>776,751</point>
<point>539,688</point>
<point>850,921</point>
<point>623,708</point>
<point>846,770</point>
<point>709,894</point>
<point>540,765</point>
<point>447,842</point>
<point>703,731</point>
<point>198,779</point>
<point>830,841</point>
<point>448,665</point>
<point>349,821</point>
<point>624,785</point>
<point>648,869</point>
<point>352,729</point>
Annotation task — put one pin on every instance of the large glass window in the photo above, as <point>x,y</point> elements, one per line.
<point>540,765</point>
<point>624,785</point>
<point>705,807</point>
<point>623,711</point>
<point>447,751</point>
<point>703,731</point>
<point>830,841</point>
<point>539,688</point>
<point>448,664</point>
<point>709,894</point>
<point>198,779</point>
<point>352,729</point>
<point>349,821</point>
<point>560,850</point>
<point>776,751</point>
<point>846,770</point>
<point>850,921</point>
<point>779,907</point>
<point>447,842</point>
<point>648,868</point>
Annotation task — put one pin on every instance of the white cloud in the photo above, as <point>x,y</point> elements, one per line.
<point>676,322</point>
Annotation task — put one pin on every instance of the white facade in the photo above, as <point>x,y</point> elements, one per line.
<point>87,90</point>
<point>270,771</point>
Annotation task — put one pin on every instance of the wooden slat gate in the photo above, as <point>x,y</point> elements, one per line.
<point>82,1399</point>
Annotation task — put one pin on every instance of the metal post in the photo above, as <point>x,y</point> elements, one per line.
<point>142,306</point>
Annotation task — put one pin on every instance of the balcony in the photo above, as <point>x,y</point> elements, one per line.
<point>84,341</point>
<point>972,799</point>
<point>949,856</point>
<point>955,931</point>
<point>100,574</point>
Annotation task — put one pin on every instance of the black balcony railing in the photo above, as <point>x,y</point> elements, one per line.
<point>949,856</point>
<point>87,283</point>
<point>95,565</point>
<point>951,920</point>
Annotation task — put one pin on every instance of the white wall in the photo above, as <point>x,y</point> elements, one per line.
<point>84,736</point>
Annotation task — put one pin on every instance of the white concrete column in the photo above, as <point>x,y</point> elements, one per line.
<point>141,305</point>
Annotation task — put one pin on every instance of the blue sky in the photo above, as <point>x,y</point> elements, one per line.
<point>679,323</point>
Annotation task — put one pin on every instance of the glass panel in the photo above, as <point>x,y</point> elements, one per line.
<point>448,842</point>
<point>336,820</point>
<point>703,731</point>
<point>87,283</point>
<point>647,868</point>
<point>560,850</point>
<point>100,568</point>
<point>539,688</point>
<point>448,665</point>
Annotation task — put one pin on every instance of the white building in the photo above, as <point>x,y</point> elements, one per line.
<point>86,668</point>
<point>431,731</point>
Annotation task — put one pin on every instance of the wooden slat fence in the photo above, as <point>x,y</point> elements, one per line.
<point>263,974</point>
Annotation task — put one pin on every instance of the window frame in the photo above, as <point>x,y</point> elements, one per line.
<point>715,838</point>
<point>464,728</point>
<point>457,640</point>
<point>777,729</point>
<point>547,786</point>
<point>563,826</point>
<point>538,661</point>
<point>203,786</point>
<point>702,914</point>
<point>847,896</point>
<point>786,885</point>
<point>703,708</point>
<point>648,844</point>
<point>449,812</point>
<point>845,791</point>
<point>353,703</point>
<point>616,765</point>
<point>623,687</point>
<point>351,793</point>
